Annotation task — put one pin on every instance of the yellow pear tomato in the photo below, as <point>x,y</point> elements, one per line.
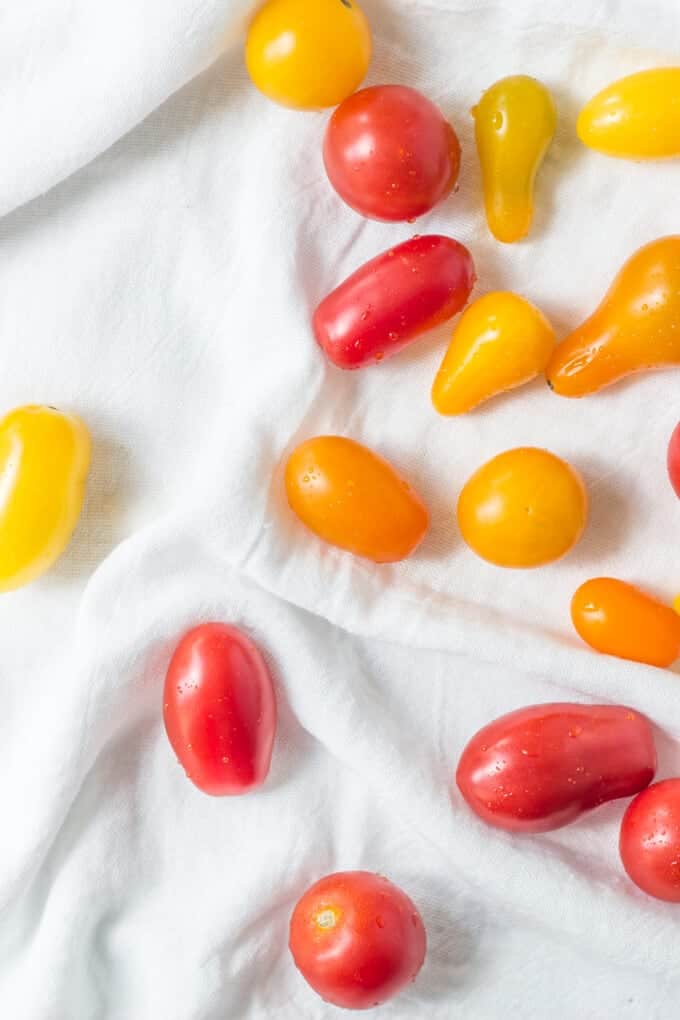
<point>308,54</point>
<point>501,341</point>
<point>523,508</point>
<point>637,117</point>
<point>44,460</point>
<point>515,122</point>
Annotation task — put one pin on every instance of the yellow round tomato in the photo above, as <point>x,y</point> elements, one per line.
<point>44,460</point>
<point>524,508</point>
<point>308,54</point>
<point>352,498</point>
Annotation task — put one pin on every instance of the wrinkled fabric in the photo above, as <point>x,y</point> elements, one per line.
<point>157,277</point>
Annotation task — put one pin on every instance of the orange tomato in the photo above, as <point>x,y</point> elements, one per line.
<point>524,508</point>
<point>618,619</point>
<point>352,498</point>
<point>636,327</point>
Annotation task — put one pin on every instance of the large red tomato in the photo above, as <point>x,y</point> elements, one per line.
<point>357,939</point>
<point>674,459</point>
<point>219,710</point>
<point>650,840</point>
<point>393,299</point>
<point>390,153</point>
<point>540,767</point>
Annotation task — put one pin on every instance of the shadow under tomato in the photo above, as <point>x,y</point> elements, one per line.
<point>611,504</point>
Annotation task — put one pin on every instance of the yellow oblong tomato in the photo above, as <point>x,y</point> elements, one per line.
<point>354,499</point>
<point>44,460</point>
<point>636,117</point>
<point>618,619</point>
<point>308,54</point>
<point>524,508</point>
<point>501,341</point>
<point>635,328</point>
<point>515,121</point>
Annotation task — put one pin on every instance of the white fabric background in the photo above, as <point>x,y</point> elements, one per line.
<point>163,291</point>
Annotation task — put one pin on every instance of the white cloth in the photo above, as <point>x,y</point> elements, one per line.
<point>163,291</point>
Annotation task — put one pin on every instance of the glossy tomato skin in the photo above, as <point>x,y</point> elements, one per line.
<point>354,499</point>
<point>619,619</point>
<point>357,939</point>
<point>523,508</point>
<point>393,299</point>
<point>219,710</point>
<point>390,153</point>
<point>635,328</point>
<point>674,460</point>
<point>649,843</point>
<point>308,56</point>
<point>540,767</point>
<point>636,117</point>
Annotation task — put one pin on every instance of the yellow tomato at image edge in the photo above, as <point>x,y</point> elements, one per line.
<point>354,499</point>
<point>523,508</point>
<point>636,117</point>
<point>308,55</point>
<point>44,460</point>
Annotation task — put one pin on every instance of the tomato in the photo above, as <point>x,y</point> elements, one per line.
<point>523,508</point>
<point>352,498</point>
<point>618,619</point>
<point>390,153</point>
<point>393,299</point>
<point>674,459</point>
<point>357,939</point>
<point>649,843</point>
<point>308,55</point>
<point>500,342</point>
<point>637,117</point>
<point>515,121</point>
<point>636,327</point>
<point>540,767</point>
<point>44,462</point>
<point>219,710</point>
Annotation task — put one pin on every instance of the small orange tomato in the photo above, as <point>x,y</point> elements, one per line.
<point>524,508</point>
<point>352,498</point>
<point>635,328</point>
<point>618,619</point>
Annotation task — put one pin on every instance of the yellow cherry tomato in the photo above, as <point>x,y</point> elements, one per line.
<point>636,327</point>
<point>501,341</point>
<point>515,122</point>
<point>616,618</point>
<point>308,54</point>
<point>44,460</point>
<point>352,498</point>
<point>524,508</point>
<point>637,117</point>
<point>676,604</point>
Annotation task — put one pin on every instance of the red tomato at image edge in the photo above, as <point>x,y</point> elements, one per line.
<point>357,939</point>
<point>219,710</point>
<point>390,153</point>
<point>393,299</point>
<point>650,840</point>
<point>540,767</point>
<point>674,460</point>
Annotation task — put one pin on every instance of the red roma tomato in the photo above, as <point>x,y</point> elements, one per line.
<point>390,153</point>
<point>219,710</point>
<point>393,299</point>
<point>540,767</point>
<point>674,460</point>
<point>357,939</point>
<point>650,840</point>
